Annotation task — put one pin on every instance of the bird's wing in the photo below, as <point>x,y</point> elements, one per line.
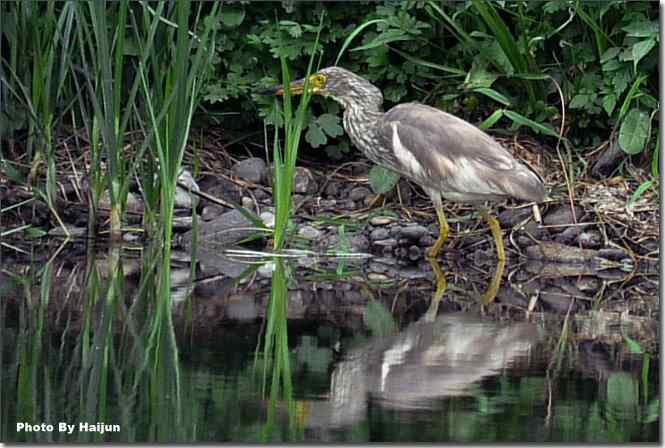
<point>446,153</point>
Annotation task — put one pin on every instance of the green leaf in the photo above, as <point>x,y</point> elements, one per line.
<point>330,125</point>
<point>642,28</point>
<point>384,38</point>
<point>232,17</point>
<point>579,101</point>
<point>633,345</point>
<point>609,103</point>
<point>610,53</point>
<point>644,186</point>
<point>315,135</point>
<point>496,96</point>
<point>521,120</point>
<point>382,180</point>
<point>479,77</point>
<point>492,119</point>
<point>641,49</point>
<point>634,131</point>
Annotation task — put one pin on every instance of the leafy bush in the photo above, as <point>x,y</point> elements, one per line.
<point>499,63</point>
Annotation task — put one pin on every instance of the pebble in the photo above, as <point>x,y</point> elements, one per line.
<point>309,232</point>
<point>562,215</point>
<point>389,242</point>
<point>590,239</point>
<point>359,243</point>
<point>268,219</point>
<point>415,253</point>
<point>381,220</point>
<point>359,193</point>
<point>373,276</point>
<point>332,189</point>
<point>251,169</point>
<point>211,212</point>
<point>413,232</point>
<point>247,202</point>
<point>303,181</point>
<point>379,234</point>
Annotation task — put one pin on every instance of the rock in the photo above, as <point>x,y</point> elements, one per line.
<point>183,197</point>
<point>415,253</point>
<point>426,241</point>
<point>514,216</point>
<point>379,234</point>
<point>221,188</point>
<point>413,232</point>
<point>373,276</point>
<point>211,212</point>
<point>590,239</point>
<point>552,251</point>
<point>389,242</point>
<point>332,189</point>
<point>226,229</point>
<point>562,215</point>
<point>327,204</point>
<point>381,220</point>
<point>359,193</point>
<point>303,181</point>
<point>247,203</point>
<point>268,219</point>
<point>358,243</point>
<point>309,233</point>
<point>265,270</point>
<point>251,170</point>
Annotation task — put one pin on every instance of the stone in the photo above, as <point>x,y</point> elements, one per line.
<point>309,233</point>
<point>415,253</point>
<point>358,243</point>
<point>251,169</point>
<point>381,220</point>
<point>389,242</point>
<point>590,239</point>
<point>359,193</point>
<point>303,181</point>
<point>513,216</point>
<point>183,197</point>
<point>211,212</point>
<point>268,219</point>
<point>332,189</point>
<point>379,234</point>
<point>562,215</point>
<point>413,232</point>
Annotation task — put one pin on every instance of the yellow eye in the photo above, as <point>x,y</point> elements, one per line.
<point>318,80</point>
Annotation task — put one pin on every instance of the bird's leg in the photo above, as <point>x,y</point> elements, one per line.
<point>441,285</point>
<point>443,232</point>
<point>494,226</point>
<point>493,287</point>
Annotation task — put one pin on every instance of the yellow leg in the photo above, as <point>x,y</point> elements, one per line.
<point>496,232</point>
<point>443,232</point>
<point>441,285</point>
<point>493,287</point>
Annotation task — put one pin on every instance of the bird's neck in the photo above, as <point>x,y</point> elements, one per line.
<point>360,121</point>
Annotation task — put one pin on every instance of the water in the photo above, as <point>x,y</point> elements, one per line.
<point>294,354</point>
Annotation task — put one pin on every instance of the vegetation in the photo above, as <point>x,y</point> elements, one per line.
<point>585,72</point>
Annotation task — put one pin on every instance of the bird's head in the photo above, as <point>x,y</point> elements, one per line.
<point>337,83</point>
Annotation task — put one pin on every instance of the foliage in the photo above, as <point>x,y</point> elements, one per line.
<point>464,57</point>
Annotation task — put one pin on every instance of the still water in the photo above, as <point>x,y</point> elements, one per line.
<point>273,355</point>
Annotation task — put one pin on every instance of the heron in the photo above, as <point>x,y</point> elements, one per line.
<point>447,156</point>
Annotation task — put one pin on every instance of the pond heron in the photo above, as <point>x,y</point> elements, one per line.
<point>447,156</point>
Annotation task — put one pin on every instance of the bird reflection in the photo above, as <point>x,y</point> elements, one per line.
<point>441,284</point>
<point>428,361</point>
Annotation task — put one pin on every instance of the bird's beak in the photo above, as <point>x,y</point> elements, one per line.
<point>295,88</point>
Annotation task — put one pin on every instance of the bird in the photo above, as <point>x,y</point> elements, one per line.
<point>447,156</point>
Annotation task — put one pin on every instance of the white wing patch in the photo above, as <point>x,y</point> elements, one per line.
<point>468,178</point>
<point>404,156</point>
